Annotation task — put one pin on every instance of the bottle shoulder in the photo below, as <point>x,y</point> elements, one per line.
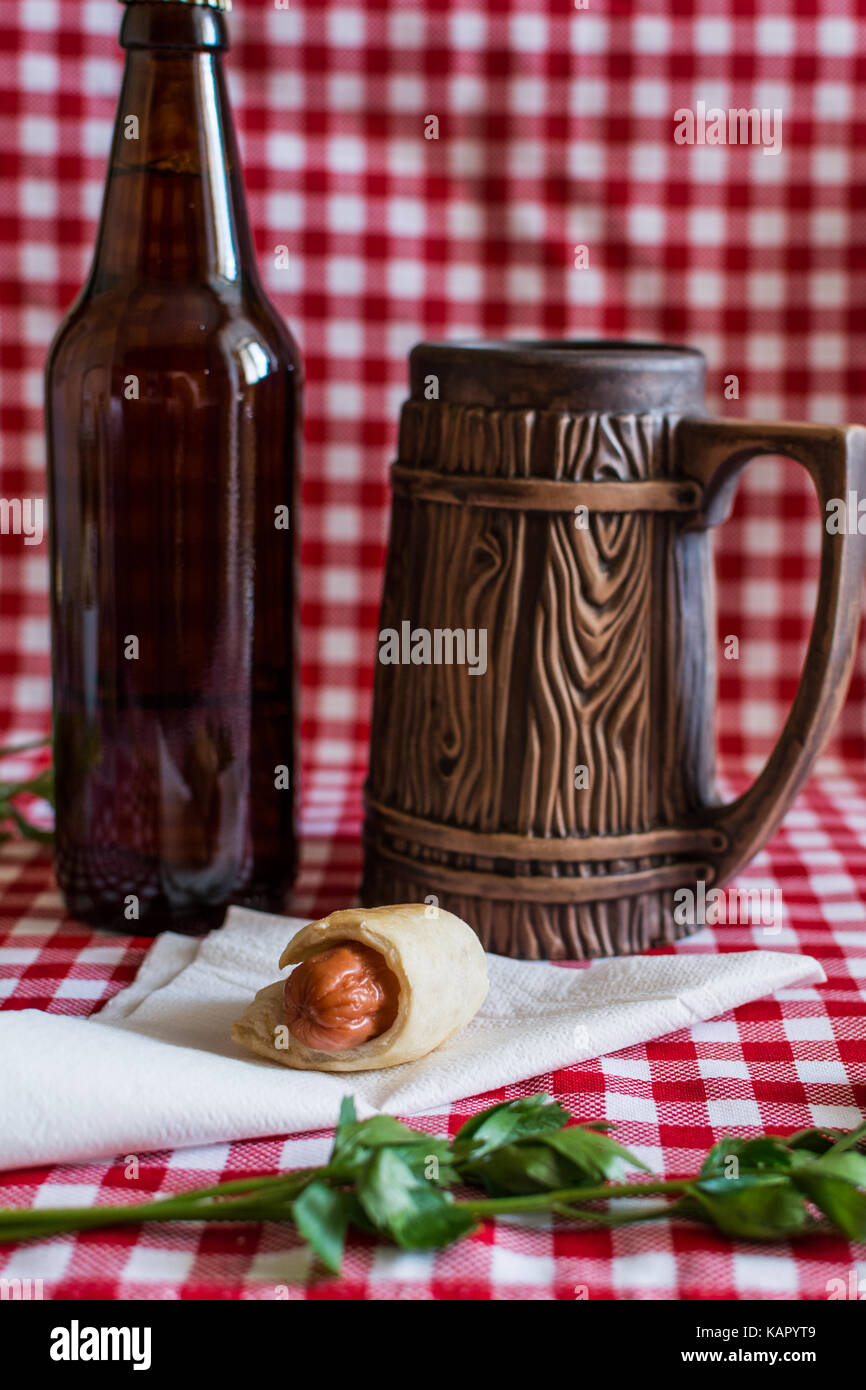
<point>177,320</point>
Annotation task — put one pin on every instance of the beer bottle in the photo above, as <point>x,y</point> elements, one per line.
<point>172,411</point>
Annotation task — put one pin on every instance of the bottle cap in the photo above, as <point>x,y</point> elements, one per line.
<point>224,5</point>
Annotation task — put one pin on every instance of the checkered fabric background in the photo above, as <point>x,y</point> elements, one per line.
<point>555,129</point>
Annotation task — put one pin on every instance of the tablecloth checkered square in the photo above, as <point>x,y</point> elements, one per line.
<point>555,130</point>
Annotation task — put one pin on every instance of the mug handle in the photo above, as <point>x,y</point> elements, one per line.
<point>715,452</point>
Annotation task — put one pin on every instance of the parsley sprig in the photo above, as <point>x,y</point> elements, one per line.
<point>388,1180</point>
<point>40,785</point>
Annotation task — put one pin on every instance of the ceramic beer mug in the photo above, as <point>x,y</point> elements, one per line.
<point>542,748</point>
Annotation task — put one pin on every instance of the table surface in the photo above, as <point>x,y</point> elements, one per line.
<point>795,1059</point>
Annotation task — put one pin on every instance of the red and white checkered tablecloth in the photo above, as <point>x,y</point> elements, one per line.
<point>555,129</point>
<point>776,1065</point>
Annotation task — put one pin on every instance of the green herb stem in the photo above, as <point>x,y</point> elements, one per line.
<point>12,750</point>
<point>624,1218</point>
<point>541,1201</point>
<point>256,1199</point>
<point>298,1178</point>
<point>851,1139</point>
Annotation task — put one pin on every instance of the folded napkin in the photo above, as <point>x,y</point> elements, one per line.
<point>157,1069</point>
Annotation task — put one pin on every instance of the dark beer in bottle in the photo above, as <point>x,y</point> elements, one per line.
<point>173,408</point>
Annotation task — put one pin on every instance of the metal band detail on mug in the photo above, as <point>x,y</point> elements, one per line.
<point>547,494</point>
<point>592,888</point>
<point>567,849</point>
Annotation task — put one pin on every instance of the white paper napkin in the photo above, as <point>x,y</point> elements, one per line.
<point>157,1069</point>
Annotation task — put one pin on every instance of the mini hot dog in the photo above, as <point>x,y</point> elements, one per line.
<point>372,987</point>
<point>340,998</point>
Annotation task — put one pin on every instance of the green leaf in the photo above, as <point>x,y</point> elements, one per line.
<point>758,1206</point>
<point>357,1140</point>
<point>849,1166</point>
<point>564,1158</point>
<point>507,1122</point>
<point>357,1216</point>
<point>840,1201</point>
<point>519,1169</point>
<point>814,1140</point>
<point>592,1154</point>
<point>381,1130</point>
<point>408,1208</point>
<point>321,1215</point>
<point>348,1116</point>
<point>834,1182</point>
<point>752,1155</point>
<point>42,785</point>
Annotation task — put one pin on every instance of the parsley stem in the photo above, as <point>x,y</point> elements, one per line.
<point>624,1218</point>
<point>299,1177</point>
<point>12,750</point>
<point>242,1199</point>
<point>850,1140</point>
<point>542,1201</point>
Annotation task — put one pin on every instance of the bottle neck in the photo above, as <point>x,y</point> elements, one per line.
<point>174,206</point>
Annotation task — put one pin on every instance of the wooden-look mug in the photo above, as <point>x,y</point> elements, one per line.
<point>551,512</point>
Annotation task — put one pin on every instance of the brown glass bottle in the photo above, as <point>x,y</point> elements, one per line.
<point>173,412</point>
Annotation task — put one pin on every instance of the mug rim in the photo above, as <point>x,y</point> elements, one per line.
<point>624,351</point>
<point>583,375</point>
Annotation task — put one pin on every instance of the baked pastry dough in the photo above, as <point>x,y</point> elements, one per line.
<point>439,964</point>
